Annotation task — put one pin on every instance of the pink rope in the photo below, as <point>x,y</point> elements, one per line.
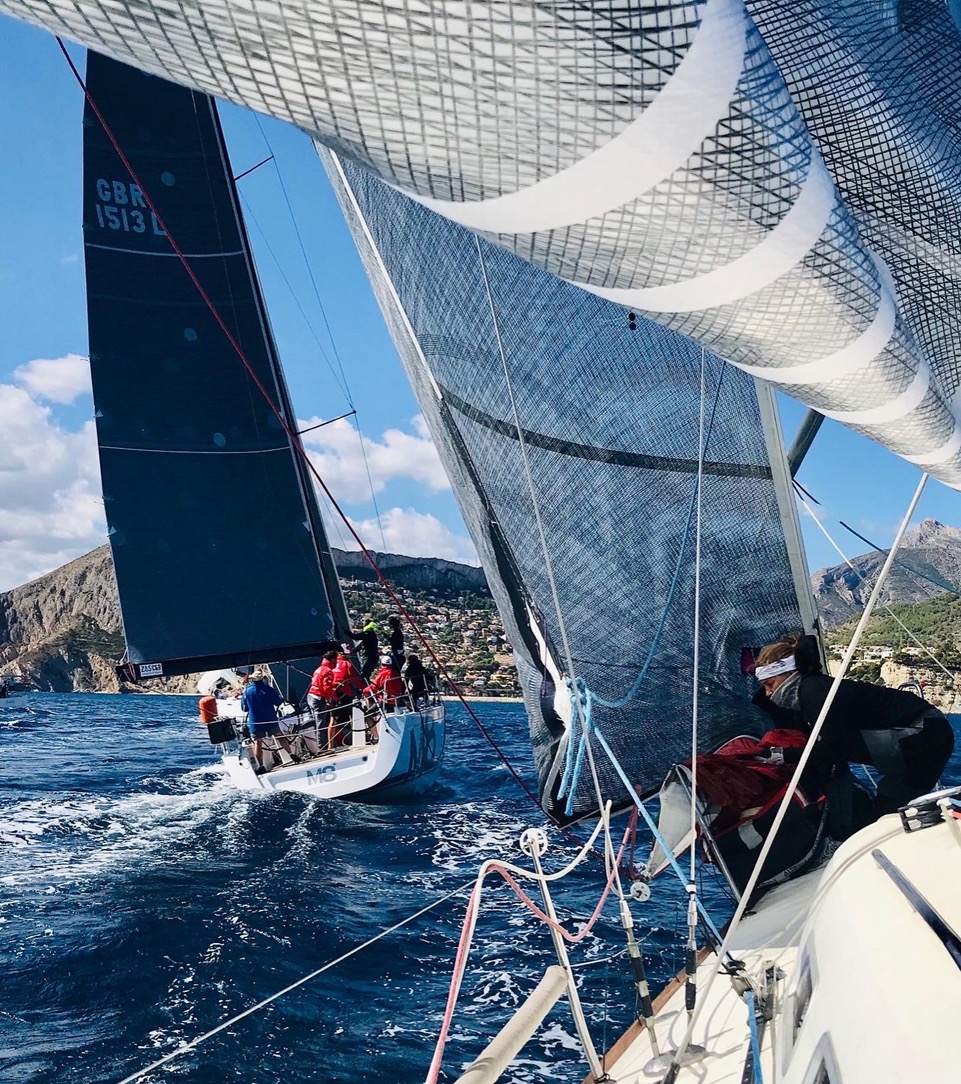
<point>466,934</point>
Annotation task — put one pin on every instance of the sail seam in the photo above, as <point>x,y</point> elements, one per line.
<point>167,255</point>
<point>613,456</point>
<point>190,451</point>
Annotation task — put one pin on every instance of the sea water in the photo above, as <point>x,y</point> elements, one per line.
<point>144,901</point>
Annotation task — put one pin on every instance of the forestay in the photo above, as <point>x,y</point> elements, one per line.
<point>609,420</point>
<point>216,538</point>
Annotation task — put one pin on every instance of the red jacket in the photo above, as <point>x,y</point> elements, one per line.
<point>322,681</point>
<point>346,680</point>
<point>387,684</point>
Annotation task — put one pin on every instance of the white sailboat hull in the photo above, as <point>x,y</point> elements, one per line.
<point>404,762</point>
<point>867,992</point>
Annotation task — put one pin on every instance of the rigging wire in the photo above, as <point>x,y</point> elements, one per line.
<point>296,444</point>
<point>863,576</point>
<point>942,584</point>
<point>194,1043</point>
<point>713,970</point>
<point>323,313</point>
<point>542,537</point>
<point>690,961</point>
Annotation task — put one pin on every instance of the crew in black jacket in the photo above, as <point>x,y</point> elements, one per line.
<point>906,739</point>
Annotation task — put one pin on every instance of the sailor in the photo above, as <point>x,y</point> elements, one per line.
<point>418,680</point>
<point>321,692</point>
<point>261,701</point>
<point>387,683</point>
<point>903,736</point>
<point>345,685</point>
<point>396,641</point>
<point>369,648</point>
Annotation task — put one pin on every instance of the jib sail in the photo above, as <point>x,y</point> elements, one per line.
<point>518,372</point>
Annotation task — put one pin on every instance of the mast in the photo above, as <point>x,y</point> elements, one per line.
<point>782,475</point>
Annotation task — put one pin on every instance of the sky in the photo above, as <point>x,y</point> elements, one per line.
<point>380,463</point>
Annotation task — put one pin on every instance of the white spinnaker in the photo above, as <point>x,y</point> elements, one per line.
<point>532,123</point>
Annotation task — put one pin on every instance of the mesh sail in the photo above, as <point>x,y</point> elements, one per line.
<point>214,537</point>
<point>608,423</point>
<point>781,183</point>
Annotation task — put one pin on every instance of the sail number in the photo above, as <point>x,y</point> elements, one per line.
<point>327,774</point>
<point>121,206</point>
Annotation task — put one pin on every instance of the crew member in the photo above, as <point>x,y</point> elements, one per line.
<point>345,684</point>
<point>907,739</point>
<point>417,677</point>
<point>369,648</point>
<point>261,701</point>
<point>320,693</point>
<point>387,683</point>
<point>396,642</point>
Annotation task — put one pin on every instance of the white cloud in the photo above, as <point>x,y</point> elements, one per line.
<point>338,452</point>
<point>50,506</point>
<point>69,258</point>
<point>412,534</point>
<point>61,380</point>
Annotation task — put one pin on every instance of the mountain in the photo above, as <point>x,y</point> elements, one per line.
<point>62,632</point>
<point>928,565</point>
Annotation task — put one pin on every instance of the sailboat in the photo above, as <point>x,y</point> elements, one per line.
<point>220,553</point>
<point>641,173</point>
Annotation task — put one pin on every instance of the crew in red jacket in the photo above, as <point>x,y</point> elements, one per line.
<point>320,693</point>
<point>345,684</point>
<point>387,684</point>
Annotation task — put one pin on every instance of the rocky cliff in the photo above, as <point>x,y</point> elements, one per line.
<point>928,564</point>
<point>62,632</point>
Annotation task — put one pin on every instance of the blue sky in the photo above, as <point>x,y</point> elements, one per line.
<point>49,504</point>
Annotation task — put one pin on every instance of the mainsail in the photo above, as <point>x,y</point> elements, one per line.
<point>607,421</point>
<point>218,546</point>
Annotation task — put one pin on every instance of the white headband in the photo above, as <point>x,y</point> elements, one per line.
<point>782,666</point>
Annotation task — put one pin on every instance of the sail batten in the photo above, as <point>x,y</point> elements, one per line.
<point>215,536</point>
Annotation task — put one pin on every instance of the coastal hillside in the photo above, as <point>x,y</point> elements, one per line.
<point>928,566</point>
<point>62,632</point>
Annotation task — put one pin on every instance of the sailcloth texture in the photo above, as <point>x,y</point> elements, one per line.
<point>214,535</point>
<point>780,182</point>
<point>572,442</point>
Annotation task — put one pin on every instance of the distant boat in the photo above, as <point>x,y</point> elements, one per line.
<point>218,545</point>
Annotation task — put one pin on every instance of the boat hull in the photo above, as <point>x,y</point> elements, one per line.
<point>403,763</point>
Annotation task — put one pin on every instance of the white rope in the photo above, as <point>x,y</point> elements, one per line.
<point>548,564</point>
<point>937,662</point>
<point>697,626</point>
<point>293,986</point>
<point>792,786</point>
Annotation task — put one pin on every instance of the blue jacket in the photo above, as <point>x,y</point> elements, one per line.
<point>261,702</point>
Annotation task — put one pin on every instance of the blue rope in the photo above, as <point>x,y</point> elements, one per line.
<point>655,643</point>
<point>755,1043</point>
<point>649,821</point>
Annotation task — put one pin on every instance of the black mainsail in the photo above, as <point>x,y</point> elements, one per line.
<point>218,545</point>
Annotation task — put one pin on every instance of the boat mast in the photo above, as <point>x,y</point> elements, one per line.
<point>787,507</point>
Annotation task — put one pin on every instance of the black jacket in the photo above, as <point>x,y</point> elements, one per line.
<point>858,706</point>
